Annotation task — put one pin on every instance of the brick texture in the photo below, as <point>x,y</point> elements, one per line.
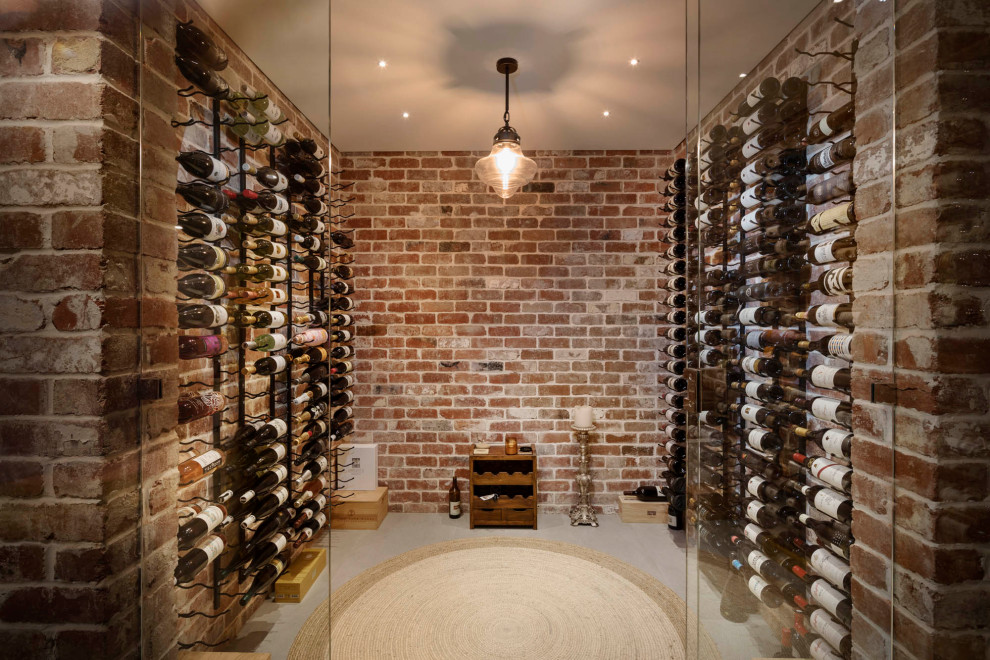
<point>480,319</point>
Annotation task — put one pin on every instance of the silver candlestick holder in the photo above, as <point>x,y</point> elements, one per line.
<point>582,513</point>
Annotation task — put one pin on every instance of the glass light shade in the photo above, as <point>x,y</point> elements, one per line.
<point>506,169</point>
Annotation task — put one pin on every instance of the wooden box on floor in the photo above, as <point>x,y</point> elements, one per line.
<point>632,510</point>
<point>359,509</point>
<point>294,584</point>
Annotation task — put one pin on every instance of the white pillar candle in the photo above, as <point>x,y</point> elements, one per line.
<point>584,416</point>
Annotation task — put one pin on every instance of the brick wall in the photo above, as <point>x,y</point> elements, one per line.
<point>69,500</point>
<point>479,319</point>
<point>88,485</point>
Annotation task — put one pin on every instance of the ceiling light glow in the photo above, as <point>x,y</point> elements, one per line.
<point>742,75</point>
<point>382,64</point>
<point>405,115</point>
<point>633,62</point>
<point>605,114</point>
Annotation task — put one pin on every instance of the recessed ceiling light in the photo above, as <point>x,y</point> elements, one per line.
<point>405,115</point>
<point>382,64</point>
<point>742,75</point>
<point>633,62</point>
<point>605,114</point>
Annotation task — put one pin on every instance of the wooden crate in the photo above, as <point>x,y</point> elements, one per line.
<point>359,509</point>
<point>632,510</point>
<point>218,655</point>
<point>511,475</point>
<point>293,585</point>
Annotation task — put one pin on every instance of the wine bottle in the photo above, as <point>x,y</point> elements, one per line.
<point>311,527</point>
<point>192,43</point>
<point>260,201</point>
<point>201,316</point>
<point>827,501</point>
<point>194,348</point>
<point>201,255</point>
<point>758,365</point>
<point>676,334</point>
<point>268,494</point>
<point>454,499</point>
<point>676,383</point>
<point>194,561</point>
<point>767,593</point>
<point>646,494</point>
<point>267,551</point>
<point>203,77</point>
<point>675,350</point>
<point>835,282</point>
<point>203,226</point>
<point>827,377</point>
<point>265,249</point>
<point>200,466</point>
<point>200,525</point>
<point>831,631</point>
<point>835,122</point>
<point>833,600</point>
<point>264,579</point>
<point>196,405</point>
<point>261,105</point>
<point>265,225</point>
<point>266,343</point>
<point>835,537</point>
<point>202,285</point>
<point>834,154</point>
<point>830,188</point>
<point>834,474</point>
<point>834,315</point>
<point>269,526</point>
<point>203,165</point>
<point>836,249</point>
<point>203,196</point>
<point>837,442</point>
<point>312,469</point>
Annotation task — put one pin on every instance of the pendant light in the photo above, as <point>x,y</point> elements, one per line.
<point>506,169</point>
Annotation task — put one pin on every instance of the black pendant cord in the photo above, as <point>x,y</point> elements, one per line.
<point>505,117</point>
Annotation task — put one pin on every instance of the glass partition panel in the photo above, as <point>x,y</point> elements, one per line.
<point>789,320</point>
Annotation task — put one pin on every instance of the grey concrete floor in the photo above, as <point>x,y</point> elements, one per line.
<point>653,549</point>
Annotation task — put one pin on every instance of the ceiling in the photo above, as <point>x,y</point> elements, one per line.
<point>573,66</point>
<point>573,58</point>
<point>288,41</point>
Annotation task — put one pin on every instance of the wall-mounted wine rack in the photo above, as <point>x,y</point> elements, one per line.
<point>769,345</point>
<point>257,481</point>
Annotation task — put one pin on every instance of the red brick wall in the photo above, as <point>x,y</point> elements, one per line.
<point>479,319</point>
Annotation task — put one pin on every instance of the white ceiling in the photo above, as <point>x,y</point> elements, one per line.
<point>290,43</point>
<point>573,57</point>
<point>573,65</point>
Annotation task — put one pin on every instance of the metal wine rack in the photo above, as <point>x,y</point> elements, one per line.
<point>721,482</point>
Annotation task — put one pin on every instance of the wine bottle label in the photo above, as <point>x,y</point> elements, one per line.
<point>273,136</point>
<point>320,519</point>
<point>277,342</point>
<point>749,175</point>
<point>825,315</point>
<point>279,541</point>
<point>748,315</point>
<point>756,439</point>
<point>757,585</point>
<point>278,251</point>
<point>826,595</point>
<point>217,230</point>
<point>829,472</point>
<point>753,485</point>
<point>752,531</point>
<point>279,450</point>
<point>824,127</point>
<point>278,319</point>
<point>824,376</point>
<point>220,171</point>
<point>753,389</point>
<point>708,353</point>
<point>833,440</point>
<point>752,147</point>
<point>281,493</point>
<point>279,363</point>
<point>220,315</point>
<point>753,510</point>
<point>830,567</point>
<point>209,460</point>
<point>212,516</point>
<point>750,222</point>
<point>753,339</point>
<point>213,548</point>
<point>834,282</point>
<point>749,198</point>
<point>281,428</point>
<point>705,219</point>
<point>820,650</point>
<point>320,501</point>
<point>829,628</point>
<point>670,430</point>
<point>748,412</point>
<point>837,216</point>
<point>751,125</point>
<point>825,158</point>
<point>828,501</point>
<point>823,251</point>
<point>757,560</point>
<point>826,408</point>
<point>455,507</point>
<point>750,364</point>
<point>840,346</point>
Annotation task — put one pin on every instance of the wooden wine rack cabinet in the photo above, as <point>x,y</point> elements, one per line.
<point>513,478</point>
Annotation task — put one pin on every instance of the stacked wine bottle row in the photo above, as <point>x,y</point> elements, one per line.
<point>772,335</point>
<point>673,285</point>
<point>254,309</point>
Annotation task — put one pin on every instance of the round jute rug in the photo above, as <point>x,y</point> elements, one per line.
<point>498,598</point>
